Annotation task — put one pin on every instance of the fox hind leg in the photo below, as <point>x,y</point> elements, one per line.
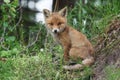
<point>81,53</point>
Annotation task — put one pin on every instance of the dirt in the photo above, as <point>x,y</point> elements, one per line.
<point>107,50</point>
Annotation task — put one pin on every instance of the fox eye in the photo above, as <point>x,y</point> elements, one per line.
<point>59,23</point>
<point>50,24</point>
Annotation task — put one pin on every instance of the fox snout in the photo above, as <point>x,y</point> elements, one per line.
<point>55,30</point>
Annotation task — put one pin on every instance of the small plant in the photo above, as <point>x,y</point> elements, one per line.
<point>7,27</point>
<point>112,73</point>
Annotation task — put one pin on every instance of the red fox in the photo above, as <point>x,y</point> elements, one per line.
<point>75,44</point>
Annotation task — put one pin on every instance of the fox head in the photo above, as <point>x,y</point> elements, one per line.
<point>55,21</point>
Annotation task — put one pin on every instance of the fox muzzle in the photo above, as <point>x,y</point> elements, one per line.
<point>55,30</point>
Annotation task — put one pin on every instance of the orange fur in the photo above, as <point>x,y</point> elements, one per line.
<point>74,43</point>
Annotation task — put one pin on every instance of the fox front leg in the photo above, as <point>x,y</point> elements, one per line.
<point>66,53</point>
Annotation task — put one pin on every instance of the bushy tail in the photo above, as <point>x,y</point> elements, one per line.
<point>73,67</point>
<point>86,62</point>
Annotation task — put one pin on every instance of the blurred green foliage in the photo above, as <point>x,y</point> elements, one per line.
<point>93,16</point>
<point>8,28</point>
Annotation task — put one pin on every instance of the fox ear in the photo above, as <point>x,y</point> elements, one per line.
<point>63,12</point>
<point>46,13</point>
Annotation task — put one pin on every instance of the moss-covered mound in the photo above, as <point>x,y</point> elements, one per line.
<point>107,66</point>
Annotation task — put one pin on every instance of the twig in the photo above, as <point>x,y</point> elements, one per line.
<point>20,18</point>
<point>45,44</point>
<point>56,5</point>
<point>35,40</point>
<point>3,45</point>
<point>2,40</point>
<point>3,59</point>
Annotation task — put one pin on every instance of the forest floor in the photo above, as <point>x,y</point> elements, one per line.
<point>107,65</point>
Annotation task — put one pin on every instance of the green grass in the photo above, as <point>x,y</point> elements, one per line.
<point>97,17</point>
<point>112,73</point>
<point>39,67</point>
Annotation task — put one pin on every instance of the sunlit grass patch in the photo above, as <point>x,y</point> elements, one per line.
<point>112,73</point>
<point>6,70</point>
<point>38,67</point>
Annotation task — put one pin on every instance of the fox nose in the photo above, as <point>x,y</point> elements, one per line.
<point>55,31</point>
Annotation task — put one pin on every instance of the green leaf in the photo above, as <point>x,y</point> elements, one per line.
<point>7,1</point>
<point>4,53</point>
<point>13,9</point>
<point>10,38</point>
<point>5,24</point>
<point>15,51</point>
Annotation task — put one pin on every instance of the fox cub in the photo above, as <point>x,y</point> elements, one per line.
<point>75,44</point>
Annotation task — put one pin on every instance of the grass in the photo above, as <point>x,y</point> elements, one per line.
<point>96,18</point>
<point>39,67</point>
<point>112,73</point>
